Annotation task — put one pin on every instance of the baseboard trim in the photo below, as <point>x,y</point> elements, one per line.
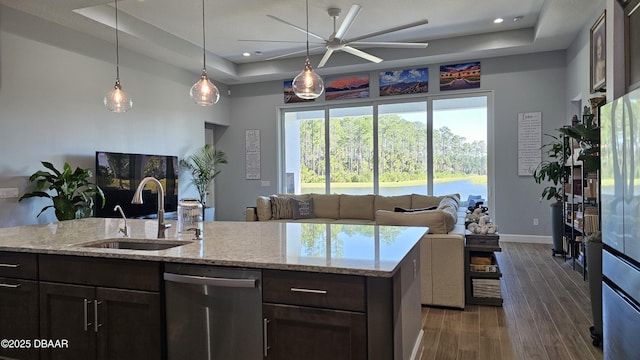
<point>418,347</point>
<point>535,239</point>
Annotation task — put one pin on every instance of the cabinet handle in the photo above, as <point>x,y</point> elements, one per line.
<point>265,338</point>
<point>86,314</point>
<point>10,265</point>
<point>309,291</point>
<point>13,286</point>
<point>95,315</point>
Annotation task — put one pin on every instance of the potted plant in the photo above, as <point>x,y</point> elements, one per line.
<point>553,170</point>
<point>587,134</point>
<point>203,167</point>
<point>74,193</point>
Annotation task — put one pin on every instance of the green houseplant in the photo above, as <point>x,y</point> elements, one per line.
<point>554,170</point>
<point>203,165</point>
<point>587,134</point>
<point>74,196</point>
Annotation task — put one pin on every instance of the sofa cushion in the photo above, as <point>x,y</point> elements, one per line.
<point>263,208</point>
<point>448,202</point>
<point>438,221</point>
<point>391,202</point>
<point>424,201</point>
<point>357,207</point>
<point>326,205</point>
<point>302,209</point>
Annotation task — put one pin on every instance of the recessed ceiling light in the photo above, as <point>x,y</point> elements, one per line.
<point>498,20</point>
<point>258,53</point>
<point>518,18</point>
<point>246,54</point>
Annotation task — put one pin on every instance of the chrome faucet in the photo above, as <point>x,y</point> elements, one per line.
<point>125,230</point>
<point>137,199</point>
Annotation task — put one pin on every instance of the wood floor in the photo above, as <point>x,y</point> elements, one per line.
<point>546,314</point>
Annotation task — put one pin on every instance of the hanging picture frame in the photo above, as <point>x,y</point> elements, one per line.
<point>598,54</point>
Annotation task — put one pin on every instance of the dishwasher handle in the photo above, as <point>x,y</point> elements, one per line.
<point>211,281</point>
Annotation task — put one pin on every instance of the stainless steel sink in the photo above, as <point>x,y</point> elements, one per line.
<point>136,244</point>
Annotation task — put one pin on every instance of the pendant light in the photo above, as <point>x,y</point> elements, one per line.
<point>203,92</point>
<point>117,100</point>
<point>308,84</point>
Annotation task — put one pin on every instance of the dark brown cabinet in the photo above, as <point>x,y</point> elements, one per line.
<point>298,332</point>
<point>100,313</point>
<point>314,316</point>
<point>18,305</point>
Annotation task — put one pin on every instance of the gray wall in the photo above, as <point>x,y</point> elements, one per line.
<point>520,84</point>
<point>52,82</point>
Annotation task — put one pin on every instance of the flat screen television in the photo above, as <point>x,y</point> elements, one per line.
<point>118,175</point>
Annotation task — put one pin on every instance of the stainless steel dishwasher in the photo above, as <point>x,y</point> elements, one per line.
<point>213,312</point>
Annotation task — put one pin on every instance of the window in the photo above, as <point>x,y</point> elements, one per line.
<point>351,150</point>
<point>402,148</point>
<point>388,148</point>
<point>460,146</point>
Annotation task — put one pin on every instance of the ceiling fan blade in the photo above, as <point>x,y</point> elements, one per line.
<point>348,21</point>
<point>290,54</point>
<point>325,58</point>
<point>397,28</point>
<point>362,54</point>
<point>280,41</point>
<point>407,45</point>
<point>296,27</point>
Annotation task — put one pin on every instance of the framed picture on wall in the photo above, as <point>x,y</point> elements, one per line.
<point>598,54</point>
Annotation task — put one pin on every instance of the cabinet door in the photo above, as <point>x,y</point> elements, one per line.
<point>296,332</point>
<point>129,324</point>
<point>66,313</point>
<point>19,316</point>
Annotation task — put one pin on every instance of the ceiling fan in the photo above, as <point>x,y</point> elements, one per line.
<point>337,40</point>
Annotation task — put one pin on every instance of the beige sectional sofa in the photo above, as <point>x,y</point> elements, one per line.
<point>442,249</point>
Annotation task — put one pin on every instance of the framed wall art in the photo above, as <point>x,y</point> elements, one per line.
<point>401,82</point>
<point>598,47</point>
<point>460,76</point>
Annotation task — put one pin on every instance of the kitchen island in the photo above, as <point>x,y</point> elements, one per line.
<point>380,262</point>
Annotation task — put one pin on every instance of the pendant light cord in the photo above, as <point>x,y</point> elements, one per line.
<point>204,48</point>
<point>117,47</point>
<point>307,10</point>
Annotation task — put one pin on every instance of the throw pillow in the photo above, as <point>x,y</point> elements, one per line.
<point>302,209</point>
<point>280,207</point>
<point>399,209</point>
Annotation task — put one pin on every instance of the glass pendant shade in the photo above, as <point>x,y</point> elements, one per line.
<point>117,100</point>
<point>203,92</point>
<point>308,84</point>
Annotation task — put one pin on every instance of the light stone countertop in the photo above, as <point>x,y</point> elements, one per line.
<point>365,250</point>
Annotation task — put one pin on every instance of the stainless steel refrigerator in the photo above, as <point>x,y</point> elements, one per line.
<point>620,209</point>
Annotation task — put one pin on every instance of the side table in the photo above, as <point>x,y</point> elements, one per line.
<point>482,281</point>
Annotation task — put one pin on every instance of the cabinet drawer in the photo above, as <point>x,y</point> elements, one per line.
<point>18,265</point>
<point>331,291</point>
<point>117,273</point>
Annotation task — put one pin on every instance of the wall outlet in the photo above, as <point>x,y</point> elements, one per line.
<point>7,193</point>
<point>536,222</point>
